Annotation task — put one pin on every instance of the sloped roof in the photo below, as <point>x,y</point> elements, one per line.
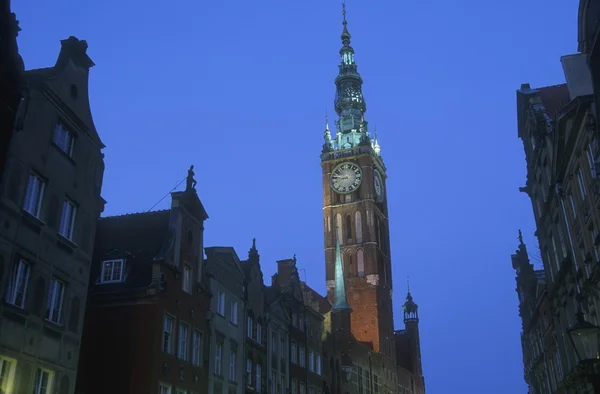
<point>315,299</point>
<point>554,98</point>
<point>138,237</point>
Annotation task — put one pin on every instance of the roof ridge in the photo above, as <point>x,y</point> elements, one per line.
<point>147,213</point>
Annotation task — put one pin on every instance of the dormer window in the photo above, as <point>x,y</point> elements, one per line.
<point>63,139</point>
<point>112,271</point>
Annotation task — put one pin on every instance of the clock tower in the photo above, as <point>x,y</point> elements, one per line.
<point>355,211</point>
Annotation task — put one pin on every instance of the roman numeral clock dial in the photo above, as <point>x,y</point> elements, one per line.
<point>346,178</point>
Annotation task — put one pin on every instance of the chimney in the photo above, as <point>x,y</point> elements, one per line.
<point>76,50</point>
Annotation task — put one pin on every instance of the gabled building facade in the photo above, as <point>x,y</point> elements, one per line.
<point>558,128</point>
<point>278,361</point>
<point>226,284</point>
<point>49,204</point>
<point>148,308</point>
<point>589,39</point>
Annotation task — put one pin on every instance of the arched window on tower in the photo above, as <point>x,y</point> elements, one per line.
<point>358,226</point>
<point>360,263</point>
<point>338,228</point>
<point>347,260</point>
<point>349,229</point>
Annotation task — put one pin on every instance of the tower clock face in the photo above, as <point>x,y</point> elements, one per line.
<point>378,184</point>
<point>346,178</point>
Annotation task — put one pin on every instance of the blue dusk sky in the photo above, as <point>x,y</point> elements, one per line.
<point>240,89</point>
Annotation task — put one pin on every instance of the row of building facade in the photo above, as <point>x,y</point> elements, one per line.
<point>558,127</point>
<point>138,304</point>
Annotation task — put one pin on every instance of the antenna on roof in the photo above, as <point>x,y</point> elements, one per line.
<point>165,196</point>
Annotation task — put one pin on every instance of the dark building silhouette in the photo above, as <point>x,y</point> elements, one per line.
<point>49,203</point>
<point>148,313</point>
<point>11,70</point>
<point>588,33</point>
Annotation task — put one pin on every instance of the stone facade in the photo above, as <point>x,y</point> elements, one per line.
<point>11,69</point>
<point>588,37</point>
<point>148,308</point>
<point>49,203</point>
<point>226,284</point>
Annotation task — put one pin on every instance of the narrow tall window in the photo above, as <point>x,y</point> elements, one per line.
<point>302,388</point>
<point>55,301</point>
<point>34,195</point>
<point>232,362</point>
<point>358,226</point>
<point>301,358</point>
<point>274,381</point>
<point>590,156</point>
<point>338,228</point>
<point>7,373</point>
<point>311,361</point>
<point>249,372</point>
<point>282,346</point>
<point>348,229</point>
<point>112,271</point>
<point>64,139</point>
<point>360,262</point>
<point>218,359</point>
<point>259,333</point>
<point>249,330</point>
<point>168,334</point>
<point>294,355</point>
<point>17,287</point>
<point>318,366</point>
<point>164,389</point>
<point>67,220</point>
<point>196,348</point>
<point>258,370</point>
<point>184,333</point>
<point>221,303</point>
<point>234,312</point>
<point>187,278</point>
<point>273,343</point>
<point>573,208</point>
<point>43,381</point>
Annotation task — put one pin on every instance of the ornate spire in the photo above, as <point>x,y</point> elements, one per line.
<point>327,144</point>
<point>411,309</point>
<point>351,128</point>
<point>253,252</point>
<point>340,301</point>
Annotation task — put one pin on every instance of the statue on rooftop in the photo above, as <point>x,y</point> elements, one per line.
<point>190,181</point>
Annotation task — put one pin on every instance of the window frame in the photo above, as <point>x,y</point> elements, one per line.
<point>221,303</point>
<point>218,360</point>
<point>112,262</point>
<point>15,280</point>
<point>55,301</point>
<point>6,383</point>
<point>196,356</point>
<point>169,340</point>
<point>49,384</point>
<point>67,150</point>
<point>33,204</point>
<point>67,230</point>
<point>233,312</point>
<point>183,341</point>
<point>187,278</point>
<point>232,364</point>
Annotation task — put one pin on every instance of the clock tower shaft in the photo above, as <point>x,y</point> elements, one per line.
<point>355,212</point>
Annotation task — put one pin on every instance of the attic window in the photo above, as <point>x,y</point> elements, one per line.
<point>112,271</point>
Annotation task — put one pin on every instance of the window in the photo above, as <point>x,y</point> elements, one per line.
<point>164,389</point>
<point>43,381</point>
<point>232,362</point>
<point>301,356</point>
<point>234,313</point>
<point>197,348</point>
<point>301,322</point>
<point>294,386</point>
<point>34,195</point>
<point>221,303</point>
<point>590,156</point>
<point>67,220</point>
<point>187,278</point>
<point>218,359</point>
<point>249,372</point>
<point>64,139</point>
<point>167,334</point>
<point>360,263</point>
<point>282,384</point>
<point>311,390</point>
<point>580,180</point>
<point>294,319</point>
<point>294,355</point>
<point>7,374</point>
<point>358,226</point>
<point>249,328</point>
<point>348,229</point>
<point>273,343</point>
<point>259,333</point>
<point>181,391</point>
<point>282,346</point>
<point>274,382</point>
<point>184,333</point>
<point>302,388</point>
<point>17,287</point>
<point>258,378</point>
<point>55,300</point>
<point>318,366</point>
<point>112,271</point>
<point>573,208</point>
<point>311,361</point>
